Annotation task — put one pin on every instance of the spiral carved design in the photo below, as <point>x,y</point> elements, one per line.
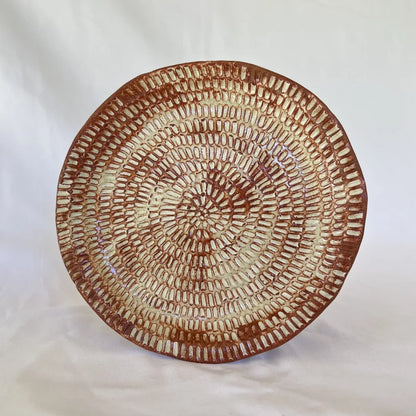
<point>210,211</point>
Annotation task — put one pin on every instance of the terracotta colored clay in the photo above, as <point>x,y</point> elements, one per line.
<point>210,211</point>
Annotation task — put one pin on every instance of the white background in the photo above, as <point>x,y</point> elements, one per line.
<point>60,60</point>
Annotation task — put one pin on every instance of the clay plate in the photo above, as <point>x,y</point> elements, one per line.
<point>210,211</point>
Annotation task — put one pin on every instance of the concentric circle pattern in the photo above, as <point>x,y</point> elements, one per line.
<point>210,211</point>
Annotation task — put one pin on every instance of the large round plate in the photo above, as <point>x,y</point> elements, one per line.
<point>210,211</point>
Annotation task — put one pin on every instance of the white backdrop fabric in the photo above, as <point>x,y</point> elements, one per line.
<point>60,60</point>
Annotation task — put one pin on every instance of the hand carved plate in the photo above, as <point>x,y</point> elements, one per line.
<point>210,211</point>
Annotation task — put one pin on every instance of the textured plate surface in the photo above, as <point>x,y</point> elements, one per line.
<point>210,211</point>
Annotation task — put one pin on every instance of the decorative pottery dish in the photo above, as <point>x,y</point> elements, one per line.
<point>210,211</point>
